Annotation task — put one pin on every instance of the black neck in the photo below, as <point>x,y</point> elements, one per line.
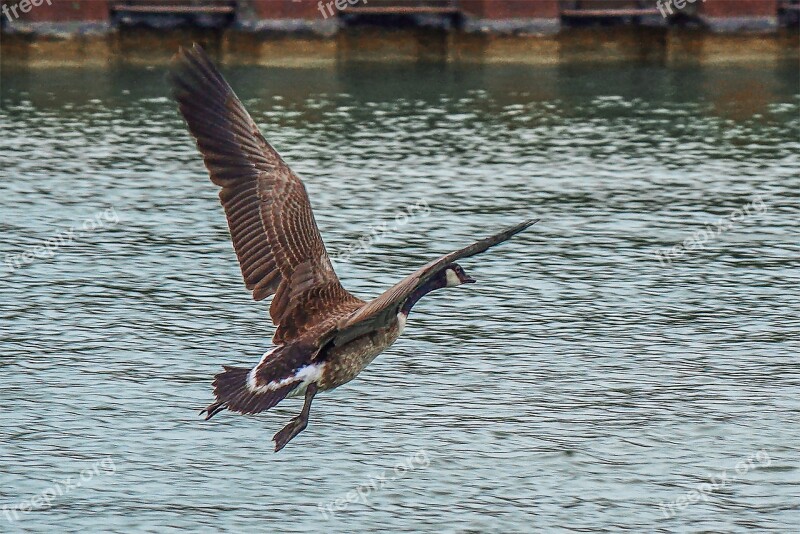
<point>437,282</point>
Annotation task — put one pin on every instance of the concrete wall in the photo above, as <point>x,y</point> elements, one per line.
<point>283,16</point>
<point>537,16</point>
<point>739,15</point>
<point>481,16</point>
<point>45,17</point>
<point>60,11</point>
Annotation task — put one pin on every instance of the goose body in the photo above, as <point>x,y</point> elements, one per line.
<point>325,336</point>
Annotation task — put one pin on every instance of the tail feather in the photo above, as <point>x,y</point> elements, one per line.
<point>233,393</point>
<point>213,409</point>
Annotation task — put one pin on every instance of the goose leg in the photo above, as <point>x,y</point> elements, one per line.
<point>298,424</point>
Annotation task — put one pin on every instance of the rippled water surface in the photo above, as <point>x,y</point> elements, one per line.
<point>582,385</point>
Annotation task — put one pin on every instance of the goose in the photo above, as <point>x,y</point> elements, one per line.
<point>324,336</point>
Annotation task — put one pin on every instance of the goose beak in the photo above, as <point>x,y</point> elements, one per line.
<point>469,280</point>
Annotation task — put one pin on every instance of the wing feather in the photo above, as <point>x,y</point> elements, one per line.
<point>269,215</point>
<point>384,308</point>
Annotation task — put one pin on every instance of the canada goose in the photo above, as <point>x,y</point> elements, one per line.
<point>325,336</point>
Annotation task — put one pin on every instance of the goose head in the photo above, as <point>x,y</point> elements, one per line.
<point>454,275</point>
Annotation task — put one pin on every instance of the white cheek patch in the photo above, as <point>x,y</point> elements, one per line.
<point>452,278</point>
<point>401,320</point>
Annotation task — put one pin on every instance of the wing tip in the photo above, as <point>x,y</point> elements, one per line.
<point>191,70</point>
<point>186,52</point>
<point>524,225</point>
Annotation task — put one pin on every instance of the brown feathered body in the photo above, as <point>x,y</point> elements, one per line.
<point>342,364</point>
<point>287,370</point>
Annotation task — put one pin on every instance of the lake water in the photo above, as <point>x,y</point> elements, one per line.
<point>583,384</point>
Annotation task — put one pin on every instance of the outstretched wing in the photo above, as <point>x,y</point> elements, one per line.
<point>383,309</point>
<point>272,226</point>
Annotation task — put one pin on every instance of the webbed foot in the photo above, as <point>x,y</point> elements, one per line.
<point>287,433</point>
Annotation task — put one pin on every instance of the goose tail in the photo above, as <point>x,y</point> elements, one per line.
<point>282,371</point>
<point>234,391</point>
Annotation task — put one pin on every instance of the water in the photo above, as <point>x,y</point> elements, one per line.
<point>581,385</point>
